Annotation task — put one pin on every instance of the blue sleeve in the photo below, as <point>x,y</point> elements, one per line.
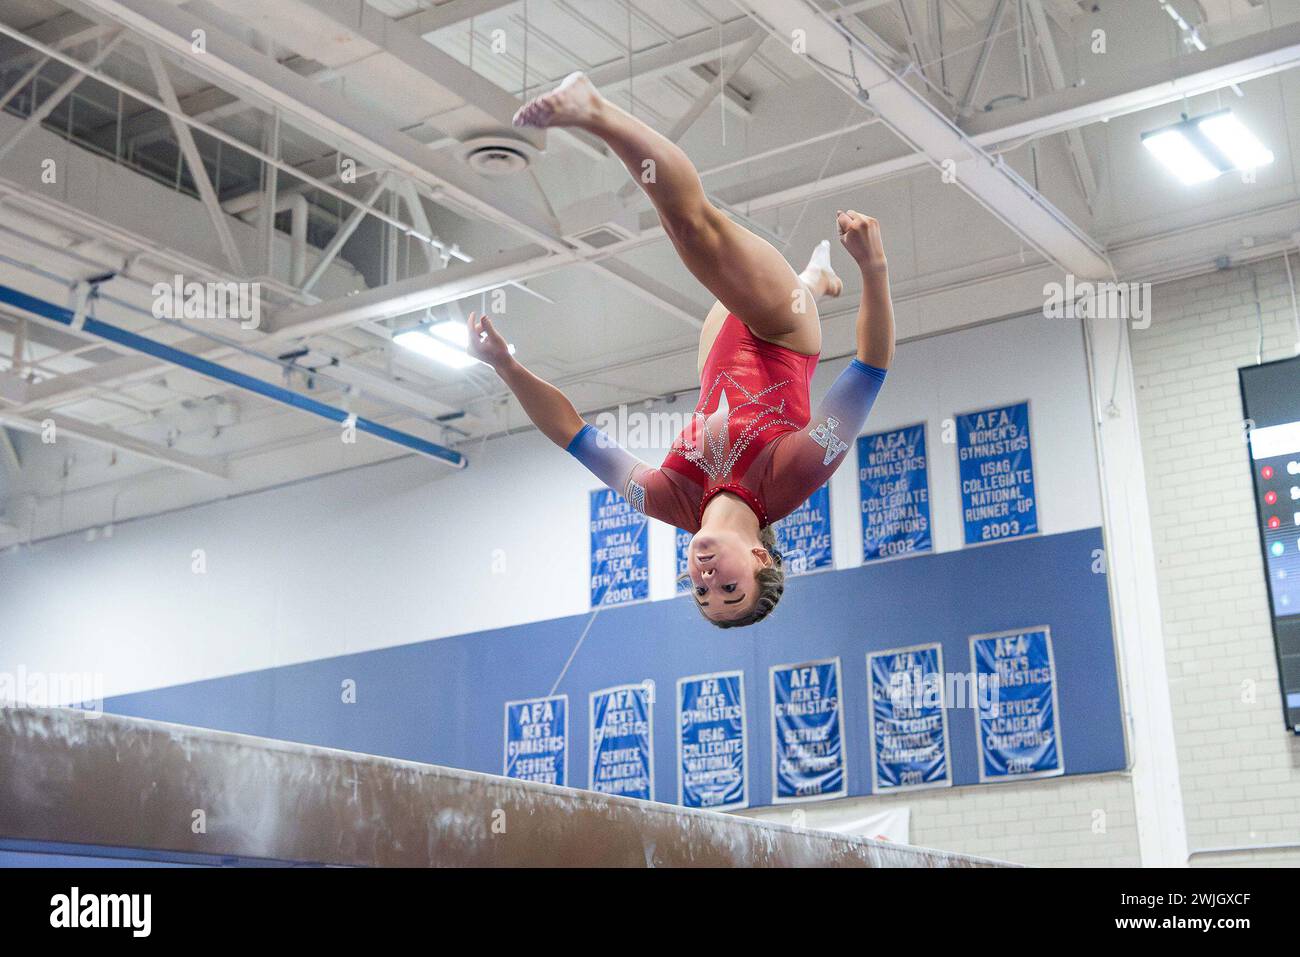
<point>843,412</point>
<point>609,462</point>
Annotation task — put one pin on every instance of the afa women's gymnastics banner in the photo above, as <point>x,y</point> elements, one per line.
<point>620,560</point>
<point>537,740</point>
<point>909,727</point>
<point>1017,714</point>
<point>804,536</point>
<point>682,541</point>
<point>894,489</point>
<point>807,732</point>
<point>622,741</point>
<point>712,765</point>
<point>996,465</point>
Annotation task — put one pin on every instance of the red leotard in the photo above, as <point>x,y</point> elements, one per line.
<point>750,434</point>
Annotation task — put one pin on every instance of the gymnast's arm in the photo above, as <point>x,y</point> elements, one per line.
<point>802,462</point>
<point>860,235</point>
<point>843,412</point>
<point>552,412</point>
<point>548,407</point>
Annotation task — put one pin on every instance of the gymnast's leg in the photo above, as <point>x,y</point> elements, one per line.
<point>743,271</point>
<point>818,276</point>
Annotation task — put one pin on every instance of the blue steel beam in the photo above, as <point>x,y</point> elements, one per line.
<point>159,350</point>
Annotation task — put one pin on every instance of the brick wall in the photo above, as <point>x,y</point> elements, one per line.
<point>1239,765</point>
<point>1076,821</point>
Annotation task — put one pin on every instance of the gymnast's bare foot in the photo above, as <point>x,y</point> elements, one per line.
<point>818,274</point>
<point>575,102</point>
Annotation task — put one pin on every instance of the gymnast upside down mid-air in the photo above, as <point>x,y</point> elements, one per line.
<point>753,451</point>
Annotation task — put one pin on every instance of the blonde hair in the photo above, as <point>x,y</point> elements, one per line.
<point>771,586</point>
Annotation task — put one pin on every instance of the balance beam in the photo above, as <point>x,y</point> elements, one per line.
<point>111,782</point>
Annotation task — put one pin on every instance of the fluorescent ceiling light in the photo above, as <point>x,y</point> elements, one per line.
<point>437,349</point>
<point>1199,150</point>
<point>446,342</point>
<point>1239,144</point>
<point>457,333</point>
<point>1184,160</point>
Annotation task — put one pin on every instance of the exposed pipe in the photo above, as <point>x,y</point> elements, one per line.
<point>298,215</point>
<point>131,340</point>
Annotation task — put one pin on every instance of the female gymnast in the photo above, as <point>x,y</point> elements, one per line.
<point>753,451</point>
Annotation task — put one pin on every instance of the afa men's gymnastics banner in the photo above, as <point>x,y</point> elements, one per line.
<point>537,740</point>
<point>1017,723</point>
<point>804,536</point>
<point>712,770</point>
<point>622,741</point>
<point>807,732</point>
<point>682,541</point>
<point>894,488</point>
<point>909,728</point>
<point>620,559</point>
<point>996,464</point>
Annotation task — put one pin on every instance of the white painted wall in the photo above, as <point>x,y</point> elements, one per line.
<point>405,551</point>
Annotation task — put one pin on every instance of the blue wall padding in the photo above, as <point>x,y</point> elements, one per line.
<point>441,701</point>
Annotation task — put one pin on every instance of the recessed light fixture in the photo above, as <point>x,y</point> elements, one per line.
<point>1202,149</point>
<point>445,342</point>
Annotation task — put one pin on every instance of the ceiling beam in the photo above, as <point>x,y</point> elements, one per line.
<point>36,420</point>
<point>10,461</point>
<point>916,121</point>
<point>1135,91</point>
<point>424,22</point>
<point>1056,76</point>
<point>324,113</point>
<point>198,172</point>
<point>1141,87</point>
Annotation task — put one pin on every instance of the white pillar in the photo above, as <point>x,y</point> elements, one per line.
<point>1135,598</point>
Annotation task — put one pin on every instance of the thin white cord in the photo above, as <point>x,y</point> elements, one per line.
<point>591,621</point>
<point>1295,310</point>
<point>821,174</point>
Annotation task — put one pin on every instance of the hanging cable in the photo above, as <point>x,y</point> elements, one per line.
<point>1295,310</point>
<point>591,621</point>
<point>1259,316</point>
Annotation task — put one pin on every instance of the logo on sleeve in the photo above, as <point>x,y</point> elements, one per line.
<point>636,496</point>
<point>824,435</point>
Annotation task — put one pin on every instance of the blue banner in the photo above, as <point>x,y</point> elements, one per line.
<point>909,727</point>
<point>1017,711</point>
<point>894,488</point>
<point>620,560</point>
<point>537,740</point>
<point>712,770</point>
<point>622,741</point>
<point>804,536</point>
<point>807,732</point>
<point>996,464</point>
<point>681,541</point>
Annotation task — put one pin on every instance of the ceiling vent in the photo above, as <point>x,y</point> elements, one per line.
<point>497,156</point>
<point>606,234</point>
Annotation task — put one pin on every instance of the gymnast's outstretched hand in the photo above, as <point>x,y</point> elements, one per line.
<point>546,405</point>
<point>485,343</point>
<point>860,235</point>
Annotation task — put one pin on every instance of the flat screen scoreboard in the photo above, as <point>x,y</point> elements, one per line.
<point>1270,396</point>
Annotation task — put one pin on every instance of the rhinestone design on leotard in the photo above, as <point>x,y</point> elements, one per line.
<point>717,460</point>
